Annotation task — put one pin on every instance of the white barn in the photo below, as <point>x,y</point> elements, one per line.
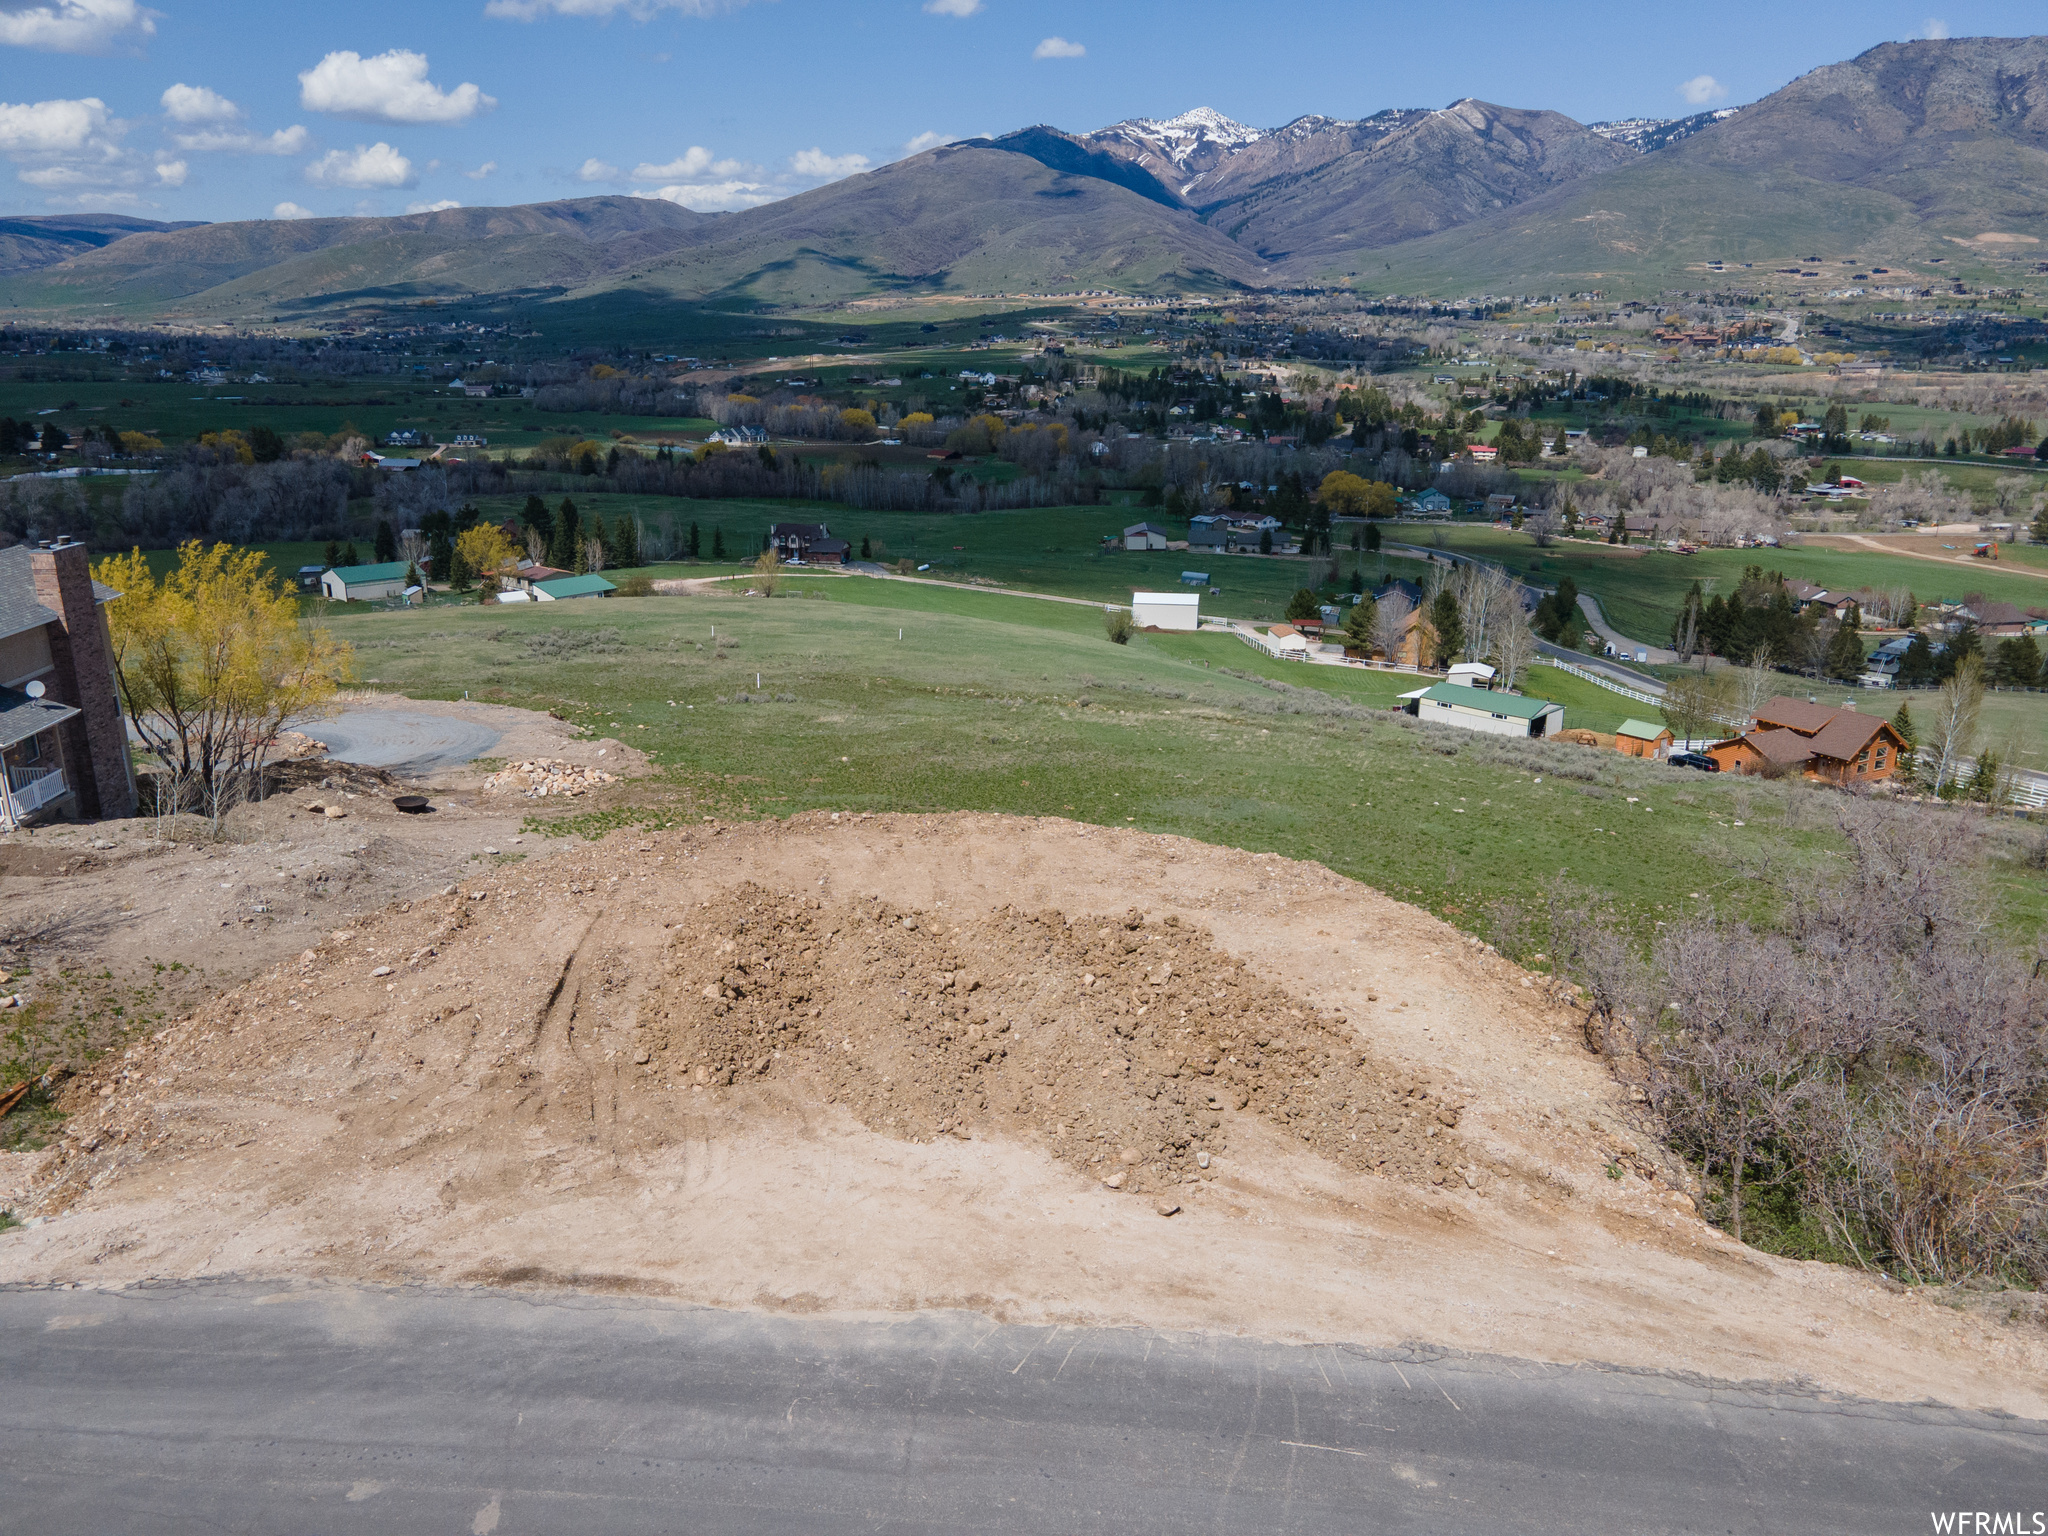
<point>1166,610</point>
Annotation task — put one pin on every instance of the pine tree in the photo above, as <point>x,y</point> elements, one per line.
<point>567,546</point>
<point>349,555</point>
<point>865,552</point>
<point>1449,627</point>
<point>535,514</point>
<point>718,543</point>
<point>695,544</point>
<point>333,555</point>
<point>440,554</point>
<point>626,539</point>
<point>386,543</point>
<point>1845,653</point>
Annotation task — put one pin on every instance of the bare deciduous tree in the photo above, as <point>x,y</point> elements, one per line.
<point>1514,646</point>
<point>1755,684</point>
<point>1952,724</point>
<point>1390,624</point>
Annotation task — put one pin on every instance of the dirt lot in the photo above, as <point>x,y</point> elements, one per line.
<point>1048,1071</point>
<point>116,924</point>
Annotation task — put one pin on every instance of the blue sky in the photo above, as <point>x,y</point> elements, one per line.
<point>238,109</point>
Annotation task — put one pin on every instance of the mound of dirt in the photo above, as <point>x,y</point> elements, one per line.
<point>874,1064</point>
<point>1118,1046</point>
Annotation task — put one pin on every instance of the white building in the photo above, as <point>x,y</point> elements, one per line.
<point>1166,610</point>
<point>1496,714</point>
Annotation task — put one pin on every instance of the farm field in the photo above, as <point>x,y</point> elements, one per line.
<point>178,412</point>
<point>1950,548</point>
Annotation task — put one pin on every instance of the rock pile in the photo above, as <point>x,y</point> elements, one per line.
<point>1125,1047</point>
<point>291,745</point>
<point>539,777</point>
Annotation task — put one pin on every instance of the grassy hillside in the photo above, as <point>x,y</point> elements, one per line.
<point>997,704</point>
<point>988,703</point>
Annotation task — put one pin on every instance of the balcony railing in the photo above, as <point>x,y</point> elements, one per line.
<point>30,789</point>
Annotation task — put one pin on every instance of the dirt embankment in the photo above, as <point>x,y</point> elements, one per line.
<point>1049,1071</point>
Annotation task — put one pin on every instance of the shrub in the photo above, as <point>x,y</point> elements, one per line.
<point>1119,625</point>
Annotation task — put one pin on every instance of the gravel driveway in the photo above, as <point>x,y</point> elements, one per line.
<point>406,742</point>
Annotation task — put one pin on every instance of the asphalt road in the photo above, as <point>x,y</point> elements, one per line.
<point>404,741</point>
<point>215,1408</point>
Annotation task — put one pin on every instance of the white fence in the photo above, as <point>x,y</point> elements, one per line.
<point>1602,680</point>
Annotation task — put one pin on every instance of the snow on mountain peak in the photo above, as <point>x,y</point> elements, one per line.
<point>1207,120</point>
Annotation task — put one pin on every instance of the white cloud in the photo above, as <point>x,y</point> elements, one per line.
<point>925,141</point>
<point>196,104</point>
<point>389,88</point>
<point>73,26</point>
<point>604,10</point>
<point>101,200</point>
<point>952,7</point>
<point>59,174</point>
<point>482,171</point>
<point>1934,30</point>
<point>1058,48</point>
<point>717,196</point>
<point>171,172</point>
<point>379,165</point>
<point>1701,89</point>
<point>817,164</point>
<point>441,207</point>
<point>237,141</point>
<point>595,169</point>
<point>52,127</point>
<point>68,144</point>
<point>691,164</point>
<point>292,211</point>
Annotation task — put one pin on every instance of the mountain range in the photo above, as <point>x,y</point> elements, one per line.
<point>1907,151</point>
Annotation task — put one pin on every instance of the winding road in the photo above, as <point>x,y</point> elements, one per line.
<point>210,1407</point>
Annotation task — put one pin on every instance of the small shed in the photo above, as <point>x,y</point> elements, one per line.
<point>1470,674</point>
<point>567,587</point>
<point>1166,610</point>
<point>364,583</point>
<point>1146,536</point>
<point>1287,642</point>
<point>1639,738</point>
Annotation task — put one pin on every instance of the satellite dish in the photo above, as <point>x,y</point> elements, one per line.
<point>34,690</point>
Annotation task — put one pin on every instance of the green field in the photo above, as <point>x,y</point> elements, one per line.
<point>1057,550</point>
<point>996,703</point>
<point>1641,590</point>
<point>177,412</point>
<point>1004,703</point>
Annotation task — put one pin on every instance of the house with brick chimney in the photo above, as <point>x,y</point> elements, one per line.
<point>63,741</point>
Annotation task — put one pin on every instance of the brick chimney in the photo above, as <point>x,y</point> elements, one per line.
<point>95,740</point>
